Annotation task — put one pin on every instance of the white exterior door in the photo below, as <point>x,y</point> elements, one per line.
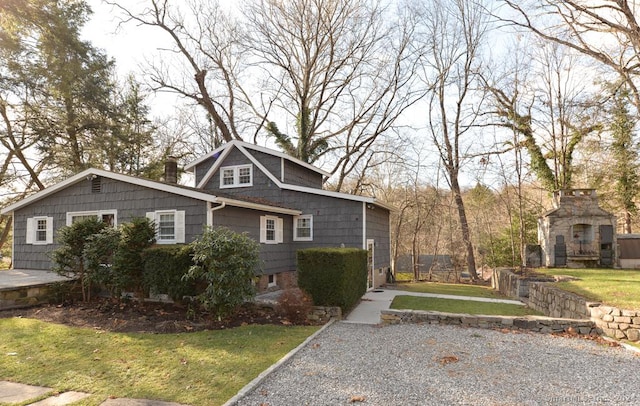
<point>370,264</point>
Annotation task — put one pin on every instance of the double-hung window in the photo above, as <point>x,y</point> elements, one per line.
<point>236,176</point>
<point>170,228</point>
<point>166,226</point>
<point>39,230</point>
<point>271,230</point>
<point>303,228</point>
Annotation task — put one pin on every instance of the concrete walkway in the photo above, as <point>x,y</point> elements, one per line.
<point>374,301</point>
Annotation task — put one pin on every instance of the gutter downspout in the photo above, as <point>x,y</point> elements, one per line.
<point>210,211</point>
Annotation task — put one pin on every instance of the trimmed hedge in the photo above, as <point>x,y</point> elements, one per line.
<point>164,268</point>
<point>333,276</point>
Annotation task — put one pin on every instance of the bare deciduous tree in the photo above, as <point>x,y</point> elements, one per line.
<point>550,106</point>
<point>340,70</point>
<point>608,31</point>
<point>452,37</point>
<point>325,78</point>
<point>202,60</point>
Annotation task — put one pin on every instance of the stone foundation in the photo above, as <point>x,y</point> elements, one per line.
<point>539,324</point>
<point>284,280</point>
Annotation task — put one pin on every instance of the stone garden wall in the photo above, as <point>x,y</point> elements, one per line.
<point>513,285</point>
<point>26,296</point>
<point>617,323</point>
<point>554,302</point>
<point>531,323</point>
<point>325,313</point>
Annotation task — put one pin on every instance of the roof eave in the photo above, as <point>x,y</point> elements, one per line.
<point>257,206</point>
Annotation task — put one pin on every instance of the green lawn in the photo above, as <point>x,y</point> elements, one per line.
<point>460,306</point>
<point>616,287</point>
<point>451,289</point>
<point>203,368</point>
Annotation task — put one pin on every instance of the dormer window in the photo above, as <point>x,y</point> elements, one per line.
<point>236,176</point>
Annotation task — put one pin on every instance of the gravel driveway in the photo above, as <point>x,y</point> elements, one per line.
<point>352,364</point>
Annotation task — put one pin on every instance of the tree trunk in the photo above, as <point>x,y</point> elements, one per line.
<point>464,226</point>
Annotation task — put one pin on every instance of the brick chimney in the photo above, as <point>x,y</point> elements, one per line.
<point>171,170</point>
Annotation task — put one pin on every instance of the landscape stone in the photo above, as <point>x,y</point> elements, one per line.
<point>633,334</point>
<point>11,392</point>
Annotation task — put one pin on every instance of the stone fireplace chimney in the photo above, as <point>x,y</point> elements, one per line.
<point>171,170</point>
<point>577,233</point>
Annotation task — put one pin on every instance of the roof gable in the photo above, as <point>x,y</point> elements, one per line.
<point>245,145</point>
<point>241,146</point>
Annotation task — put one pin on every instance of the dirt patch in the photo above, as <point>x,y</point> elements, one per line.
<point>133,316</point>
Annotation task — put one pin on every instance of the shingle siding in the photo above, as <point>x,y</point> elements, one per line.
<point>274,257</point>
<point>202,168</point>
<point>129,200</point>
<point>378,230</point>
<point>294,174</point>
<point>271,163</point>
<point>336,222</point>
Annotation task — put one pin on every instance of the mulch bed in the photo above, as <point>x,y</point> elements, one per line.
<point>147,317</point>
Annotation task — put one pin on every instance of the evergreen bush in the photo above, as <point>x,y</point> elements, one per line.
<point>68,258</point>
<point>226,262</point>
<point>333,276</point>
<point>164,268</point>
<point>98,254</point>
<point>128,264</point>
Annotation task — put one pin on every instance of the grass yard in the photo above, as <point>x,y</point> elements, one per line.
<point>201,368</point>
<point>451,289</point>
<point>616,287</point>
<point>460,306</point>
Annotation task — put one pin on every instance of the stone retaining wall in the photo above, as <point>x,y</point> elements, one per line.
<point>27,296</point>
<point>531,323</point>
<point>512,285</point>
<point>555,302</point>
<point>617,323</point>
<point>325,313</point>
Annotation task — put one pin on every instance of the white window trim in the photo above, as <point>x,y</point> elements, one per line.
<point>295,228</point>
<point>236,176</point>
<point>278,231</point>
<point>97,213</point>
<point>32,223</point>
<point>178,226</point>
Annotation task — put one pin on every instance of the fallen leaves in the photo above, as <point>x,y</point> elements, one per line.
<point>448,359</point>
<point>572,333</point>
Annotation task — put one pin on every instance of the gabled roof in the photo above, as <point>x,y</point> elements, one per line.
<point>223,151</point>
<point>180,190</point>
<point>229,145</point>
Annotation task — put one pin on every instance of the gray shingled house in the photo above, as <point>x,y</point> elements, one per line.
<point>276,199</point>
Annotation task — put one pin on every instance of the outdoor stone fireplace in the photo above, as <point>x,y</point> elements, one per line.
<point>577,233</point>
